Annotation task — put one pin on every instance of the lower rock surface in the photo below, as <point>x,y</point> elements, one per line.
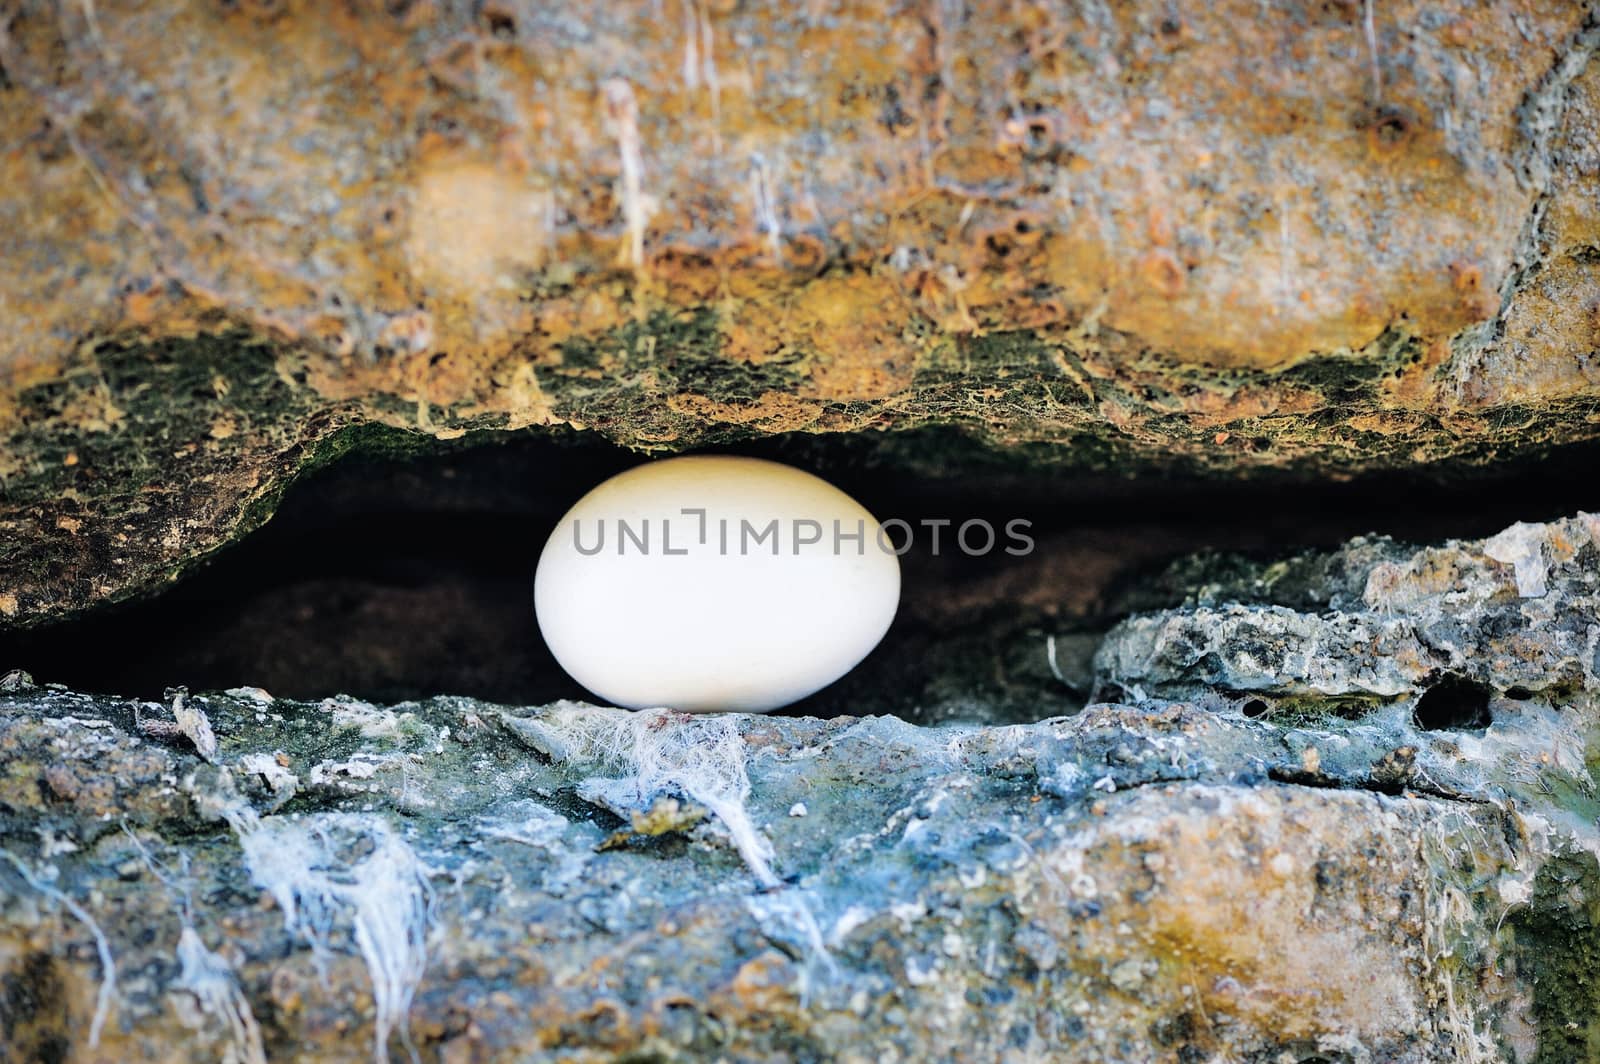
<point>1342,808</point>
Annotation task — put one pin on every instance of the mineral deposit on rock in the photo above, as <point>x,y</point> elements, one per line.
<point>1321,236</point>
<point>1383,852</point>
<point>1340,806</point>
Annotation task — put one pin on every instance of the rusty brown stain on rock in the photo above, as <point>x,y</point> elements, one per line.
<point>1239,205</point>
<point>440,223</point>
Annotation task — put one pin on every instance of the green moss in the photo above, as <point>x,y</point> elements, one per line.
<point>619,383</point>
<point>125,445</point>
<point>1319,711</point>
<point>1558,937</point>
<point>128,408</point>
<point>191,443</point>
<point>1354,378</point>
<point>1006,352</point>
<point>945,449</point>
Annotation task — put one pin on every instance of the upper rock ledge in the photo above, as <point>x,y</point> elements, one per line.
<point>1332,235</point>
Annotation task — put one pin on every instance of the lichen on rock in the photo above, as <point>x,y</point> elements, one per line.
<point>1339,805</point>
<point>1215,864</point>
<point>1220,240</point>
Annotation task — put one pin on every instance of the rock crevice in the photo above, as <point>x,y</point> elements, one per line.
<point>1175,875</point>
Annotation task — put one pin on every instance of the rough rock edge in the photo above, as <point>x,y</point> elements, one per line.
<point>1161,879</point>
<point>84,531</point>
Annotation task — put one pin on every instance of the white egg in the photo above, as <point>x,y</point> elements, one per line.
<point>712,583</point>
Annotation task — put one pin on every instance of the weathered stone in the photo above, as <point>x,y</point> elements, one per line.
<point>1178,876</point>
<point>1325,237</point>
<point>1338,807</point>
<point>1514,612</point>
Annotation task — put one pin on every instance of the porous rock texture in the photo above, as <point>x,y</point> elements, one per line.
<point>235,237</point>
<point>1341,808</point>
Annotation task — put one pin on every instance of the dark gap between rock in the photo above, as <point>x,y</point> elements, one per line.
<point>1453,704</point>
<point>398,579</point>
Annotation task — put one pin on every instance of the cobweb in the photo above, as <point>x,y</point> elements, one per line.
<point>646,752</point>
<point>306,864</point>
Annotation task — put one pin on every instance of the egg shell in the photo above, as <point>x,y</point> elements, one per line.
<point>745,618</point>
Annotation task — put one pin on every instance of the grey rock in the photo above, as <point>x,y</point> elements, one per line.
<point>1176,876</point>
